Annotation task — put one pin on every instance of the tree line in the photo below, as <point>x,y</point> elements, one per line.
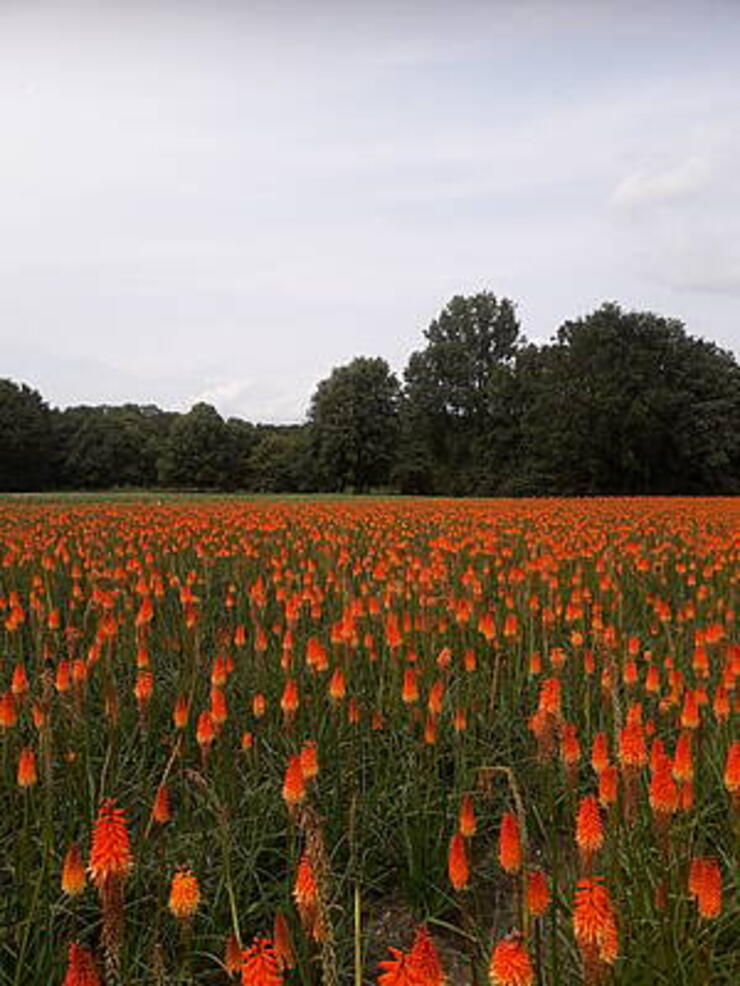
<point>617,402</point>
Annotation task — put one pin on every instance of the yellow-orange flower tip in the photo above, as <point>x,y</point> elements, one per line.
<point>467,822</point>
<point>74,878</point>
<point>510,963</point>
<point>184,895</point>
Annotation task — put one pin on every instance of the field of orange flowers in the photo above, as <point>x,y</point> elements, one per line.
<point>391,742</point>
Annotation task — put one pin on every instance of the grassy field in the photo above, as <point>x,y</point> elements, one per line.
<point>262,741</point>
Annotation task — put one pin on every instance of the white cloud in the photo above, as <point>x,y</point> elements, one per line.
<point>645,188</point>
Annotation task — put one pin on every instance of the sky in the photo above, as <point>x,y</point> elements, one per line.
<point>204,200</point>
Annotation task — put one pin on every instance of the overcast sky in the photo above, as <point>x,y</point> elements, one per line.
<point>220,201</point>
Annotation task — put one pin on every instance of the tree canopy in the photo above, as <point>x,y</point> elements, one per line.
<point>623,402</point>
<point>353,423</point>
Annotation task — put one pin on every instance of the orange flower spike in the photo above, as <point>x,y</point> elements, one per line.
<point>19,681</point>
<point>260,966</point>
<point>424,959</point>
<point>652,680</point>
<point>309,760</point>
<point>73,872</point>
<point>696,869</point>
<point>410,690</point>
<point>460,721</point>
<point>337,685</point>
<point>397,971</point>
<point>259,705</point>
<point>232,955</point>
<point>510,963</point>
<point>510,844</point>
<point>608,786</point>
<point>27,775</point>
<point>683,761</point>
<point>180,712</point>
<point>219,708</point>
<point>110,855</point>
<point>663,792</point>
<point>436,696</point>
<point>184,895</point>
<point>632,747</point>
<point>290,699</point>
<point>306,896</point>
<point>466,823</point>
<point>161,811</point>
<point>458,868</point>
<point>205,730</point>
<point>81,969</point>
<point>570,748</point>
<point>294,784</point>
<point>144,687</point>
<point>600,753</point>
<point>283,939</point>
<point>589,827</point>
<point>686,796</point>
<point>732,769</point>
<point>721,704</point>
<point>690,715</point>
<point>549,700</point>
<point>594,922</point>
<point>707,881</point>
<point>538,893</point>
<point>8,710</point>
<point>657,753</point>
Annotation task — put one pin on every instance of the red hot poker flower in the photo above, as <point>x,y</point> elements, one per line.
<point>110,855</point>
<point>260,966</point>
<point>457,863</point>
<point>81,969</point>
<point>510,844</point>
<point>510,963</point>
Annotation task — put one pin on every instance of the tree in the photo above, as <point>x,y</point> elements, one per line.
<point>101,447</point>
<point>25,438</point>
<point>627,402</point>
<point>200,451</point>
<point>452,390</point>
<point>281,461</point>
<point>353,420</point>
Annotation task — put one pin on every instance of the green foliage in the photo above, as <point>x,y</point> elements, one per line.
<point>627,402</point>
<point>25,438</point>
<point>100,447</point>
<point>354,423</point>
<point>452,393</point>
<point>280,461</point>
<point>200,452</point>
<point>619,402</point>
